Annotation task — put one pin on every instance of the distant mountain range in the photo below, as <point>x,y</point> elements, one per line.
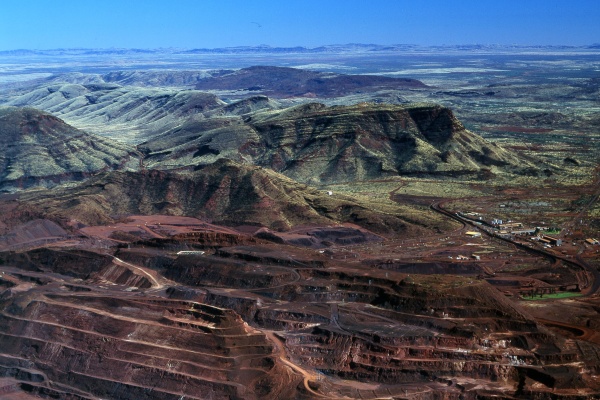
<point>336,48</point>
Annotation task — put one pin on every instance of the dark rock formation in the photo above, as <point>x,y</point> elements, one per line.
<point>313,143</point>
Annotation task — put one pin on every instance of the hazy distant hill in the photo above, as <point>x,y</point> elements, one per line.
<point>37,148</point>
<point>293,82</point>
<point>161,78</point>
<point>265,49</point>
<point>140,78</point>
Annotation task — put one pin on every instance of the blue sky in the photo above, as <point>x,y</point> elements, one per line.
<point>48,24</point>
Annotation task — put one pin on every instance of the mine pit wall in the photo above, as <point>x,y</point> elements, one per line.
<point>403,307</point>
<point>122,276</point>
<point>249,254</point>
<point>351,357</point>
<point>5,284</point>
<point>369,358</point>
<point>553,377</point>
<point>366,357</point>
<point>404,296</point>
<point>74,263</point>
<point>199,240</point>
<point>214,271</point>
<point>148,260</point>
<point>424,268</point>
<point>286,320</point>
<point>216,239</point>
<point>123,379</point>
<point>125,354</point>
<point>438,324</point>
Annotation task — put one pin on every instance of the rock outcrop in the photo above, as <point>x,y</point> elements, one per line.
<point>314,143</point>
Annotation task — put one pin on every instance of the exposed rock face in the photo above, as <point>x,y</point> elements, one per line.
<point>251,104</point>
<point>77,263</point>
<point>94,346</point>
<point>293,82</point>
<point>218,133</point>
<point>40,149</point>
<point>199,141</point>
<point>32,232</point>
<point>224,192</point>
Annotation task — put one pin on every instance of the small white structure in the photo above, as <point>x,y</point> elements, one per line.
<point>329,193</point>
<point>473,234</point>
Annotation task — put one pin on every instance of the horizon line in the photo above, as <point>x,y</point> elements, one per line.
<point>266,46</point>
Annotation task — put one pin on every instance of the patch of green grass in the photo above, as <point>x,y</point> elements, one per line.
<point>552,232</point>
<point>561,295</point>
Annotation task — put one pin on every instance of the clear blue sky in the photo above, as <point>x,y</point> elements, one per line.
<point>48,24</point>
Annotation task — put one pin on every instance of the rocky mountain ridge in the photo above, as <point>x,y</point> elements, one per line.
<point>316,144</point>
<point>225,193</point>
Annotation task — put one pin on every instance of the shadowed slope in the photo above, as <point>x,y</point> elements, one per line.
<point>225,193</point>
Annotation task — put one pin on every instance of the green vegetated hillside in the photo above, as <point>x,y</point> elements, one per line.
<point>39,149</point>
<point>313,143</point>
